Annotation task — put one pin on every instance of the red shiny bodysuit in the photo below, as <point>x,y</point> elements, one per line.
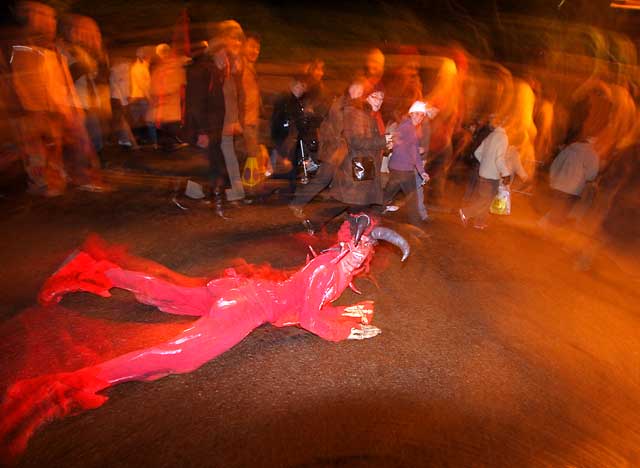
<point>229,308</point>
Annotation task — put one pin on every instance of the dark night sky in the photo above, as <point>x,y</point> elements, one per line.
<point>308,23</point>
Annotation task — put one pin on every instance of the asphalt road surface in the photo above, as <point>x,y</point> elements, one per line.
<point>495,350</point>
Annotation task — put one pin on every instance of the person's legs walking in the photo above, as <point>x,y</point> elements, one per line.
<point>422,209</point>
<point>408,186</point>
<point>94,129</point>
<point>236,192</point>
<point>305,193</point>
<point>392,187</point>
<point>217,175</point>
<point>478,208</point>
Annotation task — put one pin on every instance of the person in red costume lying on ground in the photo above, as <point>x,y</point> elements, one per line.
<point>229,308</point>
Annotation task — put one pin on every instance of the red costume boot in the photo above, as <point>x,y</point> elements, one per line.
<point>81,272</point>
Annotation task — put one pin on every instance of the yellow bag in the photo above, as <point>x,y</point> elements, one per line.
<point>256,168</point>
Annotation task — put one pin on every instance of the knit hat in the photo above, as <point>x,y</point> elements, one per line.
<point>424,108</point>
<point>419,107</point>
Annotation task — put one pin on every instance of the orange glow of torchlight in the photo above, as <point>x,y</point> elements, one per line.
<point>626,4</point>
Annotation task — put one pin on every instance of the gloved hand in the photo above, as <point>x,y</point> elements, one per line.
<point>364,332</point>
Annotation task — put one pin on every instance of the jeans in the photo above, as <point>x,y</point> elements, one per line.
<point>94,129</point>
<point>405,181</point>
<point>236,192</point>
<point>422,209</point>
<point>561,205</point>
<point>138,111</point>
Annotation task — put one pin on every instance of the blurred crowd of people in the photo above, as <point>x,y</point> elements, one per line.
<point>406,128</point>
<point>54,95</point>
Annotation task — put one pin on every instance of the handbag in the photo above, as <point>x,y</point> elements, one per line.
<point>362,168</point>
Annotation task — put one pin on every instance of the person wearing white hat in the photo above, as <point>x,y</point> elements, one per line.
<point>405,163</point>
<point>417,111</point>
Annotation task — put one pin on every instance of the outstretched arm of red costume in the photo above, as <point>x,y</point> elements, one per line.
<point>334,323</point>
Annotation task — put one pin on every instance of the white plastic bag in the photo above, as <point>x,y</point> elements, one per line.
<point>501,204</point>
<point>194,190</point>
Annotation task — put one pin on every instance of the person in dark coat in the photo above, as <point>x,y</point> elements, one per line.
<point>288,128</point>
<point>366,140</point>
<point>331,151</point>
<point>357,133</point>
<point>196,91</point>
<point>205,114</point>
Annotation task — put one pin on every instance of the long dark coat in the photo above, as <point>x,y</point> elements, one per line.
<point>363,139</point>
<point>205,113</point>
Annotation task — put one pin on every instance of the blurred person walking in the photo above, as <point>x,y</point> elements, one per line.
<point>500,153</point>
<point>120,85</point>
<point>40,80</point>
<point>317,98</point>
<point>81,44</point>
<point>447,95</point>
<point>288,130</point>
<point>197,72</point>
<point>358,182</point>
<point>478,131</point>
<point>332,150</point>
<point>575,166</point>
<point>227,42</point>
<point>250,101</point>
<point>406,165</point>
<point>498,162</point>
<point>167,79</point>
<point>51,119</point>
<point>424,139</point>
<point>407,90</point>
<point>205,114</point>
<point>140,96</point>
<point>316,103</point>
<point>354,155</point>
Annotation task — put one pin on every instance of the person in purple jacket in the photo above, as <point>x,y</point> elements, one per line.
<point>406,163</point>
